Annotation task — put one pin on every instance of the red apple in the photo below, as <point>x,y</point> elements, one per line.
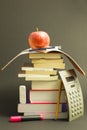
<point>38,39</point>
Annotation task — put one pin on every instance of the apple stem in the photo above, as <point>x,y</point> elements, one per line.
<point>37,29</point>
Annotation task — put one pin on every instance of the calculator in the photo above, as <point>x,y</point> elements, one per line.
<point>73,93</point>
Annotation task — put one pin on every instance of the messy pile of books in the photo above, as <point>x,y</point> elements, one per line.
<point>42,96</point>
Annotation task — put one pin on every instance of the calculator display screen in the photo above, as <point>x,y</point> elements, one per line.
<point>70,78</point>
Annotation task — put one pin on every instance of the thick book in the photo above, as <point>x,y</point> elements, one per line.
<point>41,108</point>
<point>49,115</point>
<point>50,55</point>
<point>46,85</point>
<point>46,96</point>
<point>33,70</point>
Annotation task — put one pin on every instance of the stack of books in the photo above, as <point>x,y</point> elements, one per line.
<point>42,97</point>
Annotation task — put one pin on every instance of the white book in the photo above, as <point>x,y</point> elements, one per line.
<point>41,108</point>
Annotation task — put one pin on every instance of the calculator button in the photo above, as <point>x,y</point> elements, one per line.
<point>73,96</point>
<point>75,109</point>
<point>74,100</point>
<point>72,106</point>
<point>72,110</point>
<point>77,104</point>
<point>80,98</point>
<point>71,102</point>
<point>80,104</point>
<point>76,91</point>
<point>77,101</point>
<point>80,107</point>
<point>78,112</point>
<point>72,92</point>
<point>69,93</point>
<point>73,114</point>
<point>76,96</point>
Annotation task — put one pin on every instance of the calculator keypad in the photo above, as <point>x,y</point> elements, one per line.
<point>73,93</point>
<point>76,103</point>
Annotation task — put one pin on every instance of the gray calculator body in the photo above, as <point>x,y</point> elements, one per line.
<point>73,93</point>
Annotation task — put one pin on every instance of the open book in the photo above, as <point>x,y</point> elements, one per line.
<point>47,50</point>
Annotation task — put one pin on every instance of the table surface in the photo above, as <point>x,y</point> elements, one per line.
<point>78,124</point>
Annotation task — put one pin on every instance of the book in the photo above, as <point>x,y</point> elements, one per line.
<point>58,60</point>
<point>46,85</point>
<point>37,77</point>
<point>49,55</point>
<point>23,74</point>
<point>50,65</point>
<point>46,96</point>
<point>33,70</point>
<point>42,108</point>
<point>47,65</point>
<point>41,78</point>
<point>49,115</point>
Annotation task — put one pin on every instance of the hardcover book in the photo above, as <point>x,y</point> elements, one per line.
<point>46,96</point>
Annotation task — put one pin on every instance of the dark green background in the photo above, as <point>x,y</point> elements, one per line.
<point>66,23</point>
